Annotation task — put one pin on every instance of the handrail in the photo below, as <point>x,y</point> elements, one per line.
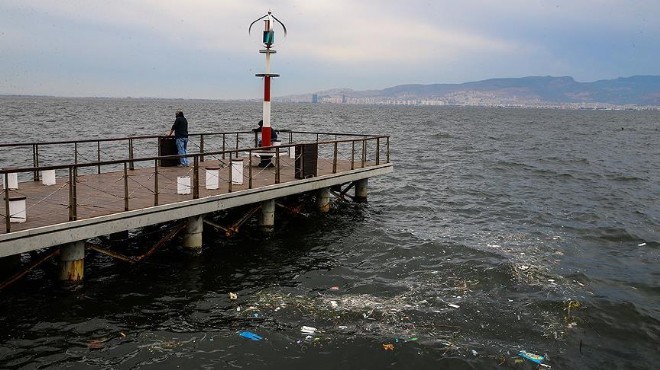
<point>129,164</point>
<point>176,156</point>
<point>131,146</point>
<point>125,138</point>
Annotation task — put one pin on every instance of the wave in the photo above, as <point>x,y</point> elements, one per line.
<point>442,135</point>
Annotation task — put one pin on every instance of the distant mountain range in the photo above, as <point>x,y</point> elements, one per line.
<point>525,91</point>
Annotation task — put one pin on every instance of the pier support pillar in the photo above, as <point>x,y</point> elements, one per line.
<point>267,219</point>
<point>361,191</point>
<point>323,200</point>
<point>72,262</point>
<point>193,238</point>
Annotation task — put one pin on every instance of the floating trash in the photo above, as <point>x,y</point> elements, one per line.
<point>308,330</point>
<point>250,335</point>
<point>233,296</point>
<point>388,346</point>
<point>532,357</point>
<point>453,305</point>
<point>95,344</point>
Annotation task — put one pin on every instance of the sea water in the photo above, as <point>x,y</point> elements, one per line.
<point>500,230</point>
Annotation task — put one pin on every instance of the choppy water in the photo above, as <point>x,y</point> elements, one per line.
<point>500,230</point>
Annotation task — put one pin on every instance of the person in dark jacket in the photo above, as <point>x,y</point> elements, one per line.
<point>180,131</point>
<point>273,133</point>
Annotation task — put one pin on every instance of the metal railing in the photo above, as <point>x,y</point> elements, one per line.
<point>360,150</point>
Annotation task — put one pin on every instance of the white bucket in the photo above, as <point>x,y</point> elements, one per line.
<point>212,178</point>
<point>292,152</point>
<point>237,171</point>
<point>183,185</point>
<point>17,210</point>
<point>48,177</point>
<point>13,181</point>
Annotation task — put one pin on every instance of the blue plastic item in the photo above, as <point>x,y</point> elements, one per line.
<point>250,335</point>
<point>531,357</point>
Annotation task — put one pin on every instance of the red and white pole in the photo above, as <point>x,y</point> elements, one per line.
<point>268,39</point>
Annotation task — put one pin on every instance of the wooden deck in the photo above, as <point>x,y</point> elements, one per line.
<point>101,201</point>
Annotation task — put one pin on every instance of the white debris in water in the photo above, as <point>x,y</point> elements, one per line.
<point>453,305</point>
<point>308,330</point>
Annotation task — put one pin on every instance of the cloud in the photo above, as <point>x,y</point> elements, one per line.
<point>142,45</point>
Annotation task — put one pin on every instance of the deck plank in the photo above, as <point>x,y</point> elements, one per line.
<point>103,194</point>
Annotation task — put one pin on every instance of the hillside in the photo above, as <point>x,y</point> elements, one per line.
<point>525,91</point>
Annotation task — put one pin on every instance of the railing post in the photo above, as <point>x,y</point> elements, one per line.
<point>334,160</point>
<point>126,187</point>
<point>73,208</point>
<point>250,169</point>
<point>377,151</point>
<point>130,154</point>
<point>75,153</point>
<point>224,141</point>
<point>277,168</point>
<point>353,154</point>
<point>35,161</point>
<point>195,177</point>
<point>230,187</point>
<point>7,215</point>
<point>201,148</point>
<point>155,182</point>
<point>364,151</point>
<point>388,149</point>
<point>98,156</point>
<point>236,144</point>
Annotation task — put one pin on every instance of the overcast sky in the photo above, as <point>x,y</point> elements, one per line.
<point>201,48</point>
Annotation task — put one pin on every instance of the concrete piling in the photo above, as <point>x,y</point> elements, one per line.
<point>361,190</point>
<point>192,240</point>
<point>267,217</point>
<point>323,200</point>
<point>72,262</point>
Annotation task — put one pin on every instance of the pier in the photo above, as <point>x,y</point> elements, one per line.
<point>58,195</point>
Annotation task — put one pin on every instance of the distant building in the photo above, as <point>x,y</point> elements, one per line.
<point>315,98</point>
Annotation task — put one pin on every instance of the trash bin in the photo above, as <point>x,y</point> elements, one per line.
<point>167,146</point>
<point>306,162</point>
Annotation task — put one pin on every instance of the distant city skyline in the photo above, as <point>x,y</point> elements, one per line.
<point>202,50</point>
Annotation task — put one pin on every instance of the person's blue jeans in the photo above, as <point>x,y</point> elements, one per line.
<point>182,149</point>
